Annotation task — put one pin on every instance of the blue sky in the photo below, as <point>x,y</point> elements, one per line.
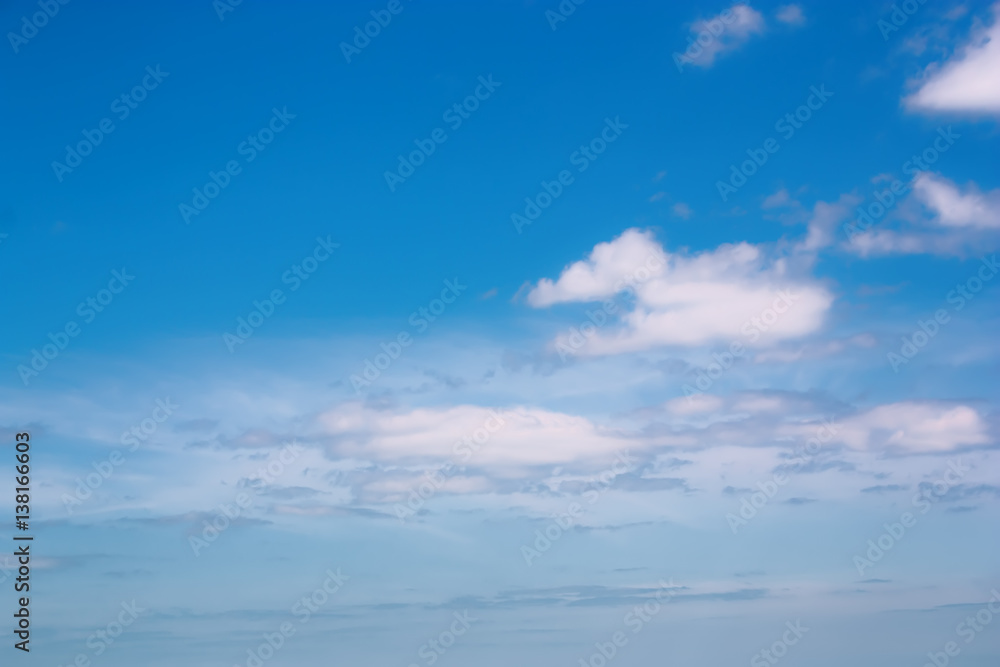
<point>613,335</point>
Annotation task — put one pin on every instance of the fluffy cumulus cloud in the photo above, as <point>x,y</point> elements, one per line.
<point>721,34</point>
<point>610,268</point>
<point>733,293</point>
<point>938,217</point>
<point>915,427</point>
<point>505,442</point>
<point>969,82</point>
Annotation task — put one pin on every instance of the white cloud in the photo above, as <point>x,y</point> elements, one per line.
<point>953,208</point>
<point>779,199</point>
<point>723,33</point>
<point>791,15</point>
<point>732,293</point>
<point>915,427</point>
<point>509,440</point>
<point>969,81</point>
<point>940,218</point>
<point>889,242</point>
<point>769,418</point>
<point>682,210</point>
<point>603,274</point>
